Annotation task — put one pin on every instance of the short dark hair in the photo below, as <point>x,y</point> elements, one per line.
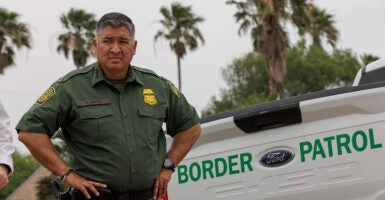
<point>115,20</point>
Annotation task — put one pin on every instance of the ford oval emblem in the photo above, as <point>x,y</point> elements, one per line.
<point>277,157</point>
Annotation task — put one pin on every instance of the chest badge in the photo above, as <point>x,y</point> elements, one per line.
<point>149,97</point>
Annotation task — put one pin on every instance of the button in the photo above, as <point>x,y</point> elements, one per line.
<point>132,152</point>
<point>125,114</point>
<point>128,133</point>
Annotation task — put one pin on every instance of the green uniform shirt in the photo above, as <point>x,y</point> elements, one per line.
<point>115,137</point>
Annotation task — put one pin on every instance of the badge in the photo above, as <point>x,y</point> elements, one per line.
<point>50,92</point>
<point>149,97</point>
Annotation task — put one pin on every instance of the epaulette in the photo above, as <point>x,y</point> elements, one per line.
<point>74,73</point>
<point>148,71</point>
<point>145,70</point>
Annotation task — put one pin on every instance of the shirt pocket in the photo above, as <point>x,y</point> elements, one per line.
<point>94,112</point>
<point>151,120</point>
<point>93,123</point>
<point>154,112</point>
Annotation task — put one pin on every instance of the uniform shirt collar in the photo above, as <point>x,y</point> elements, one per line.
<point>133,75</point>
<point>98,75</point>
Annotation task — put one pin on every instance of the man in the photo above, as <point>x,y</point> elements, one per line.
<point>6,147</point>
<point>111,114</point>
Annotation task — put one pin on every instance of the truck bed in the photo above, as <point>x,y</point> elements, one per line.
<point>322,145</point>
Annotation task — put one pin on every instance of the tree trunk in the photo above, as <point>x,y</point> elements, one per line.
<point>179,75</point>
<point>272,80</point>
<point>3,54</point>
<point>272,87</point>
<point>80,58</point>
<point>276,68</point>
<point>3,62</point>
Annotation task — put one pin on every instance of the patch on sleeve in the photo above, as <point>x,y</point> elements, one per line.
<point>175,90</point>
<point>50,92</point>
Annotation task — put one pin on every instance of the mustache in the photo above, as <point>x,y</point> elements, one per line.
<point>115,56</point>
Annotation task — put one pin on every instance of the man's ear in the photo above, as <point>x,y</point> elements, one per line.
<point>134,48</point>
<point>94,43</point>
<point>93,47</point>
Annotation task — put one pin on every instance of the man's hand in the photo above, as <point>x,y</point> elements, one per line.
<point>77,182</point>
<point>161,184</point>
<point>3,175</point>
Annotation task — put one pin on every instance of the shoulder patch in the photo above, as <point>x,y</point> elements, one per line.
<point>50,92</point>
<point>174,90</point>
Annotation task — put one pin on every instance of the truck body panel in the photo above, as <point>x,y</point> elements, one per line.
<point>323,145</point>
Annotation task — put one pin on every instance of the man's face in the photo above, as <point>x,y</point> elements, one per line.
<point>115,48</point>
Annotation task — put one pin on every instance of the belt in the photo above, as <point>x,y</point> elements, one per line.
<point>105,194</point>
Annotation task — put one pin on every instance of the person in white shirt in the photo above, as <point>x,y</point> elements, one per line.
<point>6,147</point>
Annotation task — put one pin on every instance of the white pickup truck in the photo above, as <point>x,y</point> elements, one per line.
<point>326,145</point>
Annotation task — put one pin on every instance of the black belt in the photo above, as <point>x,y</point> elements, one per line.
<point>105,194</point>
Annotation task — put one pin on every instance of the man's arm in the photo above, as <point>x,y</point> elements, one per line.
<point>183,142</point>
<point>181,145</point>
<point>6,147</point>
<point>43,151</point>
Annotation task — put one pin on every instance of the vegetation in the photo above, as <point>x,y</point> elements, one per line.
<point>12,34</point>
<point>24,166</point>
<point>267,20</point>
<point>309,69</point>
<point>44,188</point>
<point>321,26</point>
<point>80,27</point>
<point>180,29</point>
<point>273,70</point>
<point>368,58</point>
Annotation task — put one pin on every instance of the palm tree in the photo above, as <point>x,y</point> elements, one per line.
<point>267,18</point>
<point>180,29</point>
<point>78,40</point>
<point>368,58</point>
<point>322,24</point>
<point>12,34</point>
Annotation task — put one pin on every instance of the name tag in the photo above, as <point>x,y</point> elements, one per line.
<point>93,102</point>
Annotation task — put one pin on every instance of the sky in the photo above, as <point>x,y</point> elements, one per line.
<point>360,24</point>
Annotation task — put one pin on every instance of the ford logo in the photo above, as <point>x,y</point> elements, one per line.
<point>277,157</point>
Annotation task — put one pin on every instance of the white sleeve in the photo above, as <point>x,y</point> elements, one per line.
<point>6,145</point>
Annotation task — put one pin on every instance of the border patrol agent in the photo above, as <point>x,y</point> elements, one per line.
<point>111,114</point>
